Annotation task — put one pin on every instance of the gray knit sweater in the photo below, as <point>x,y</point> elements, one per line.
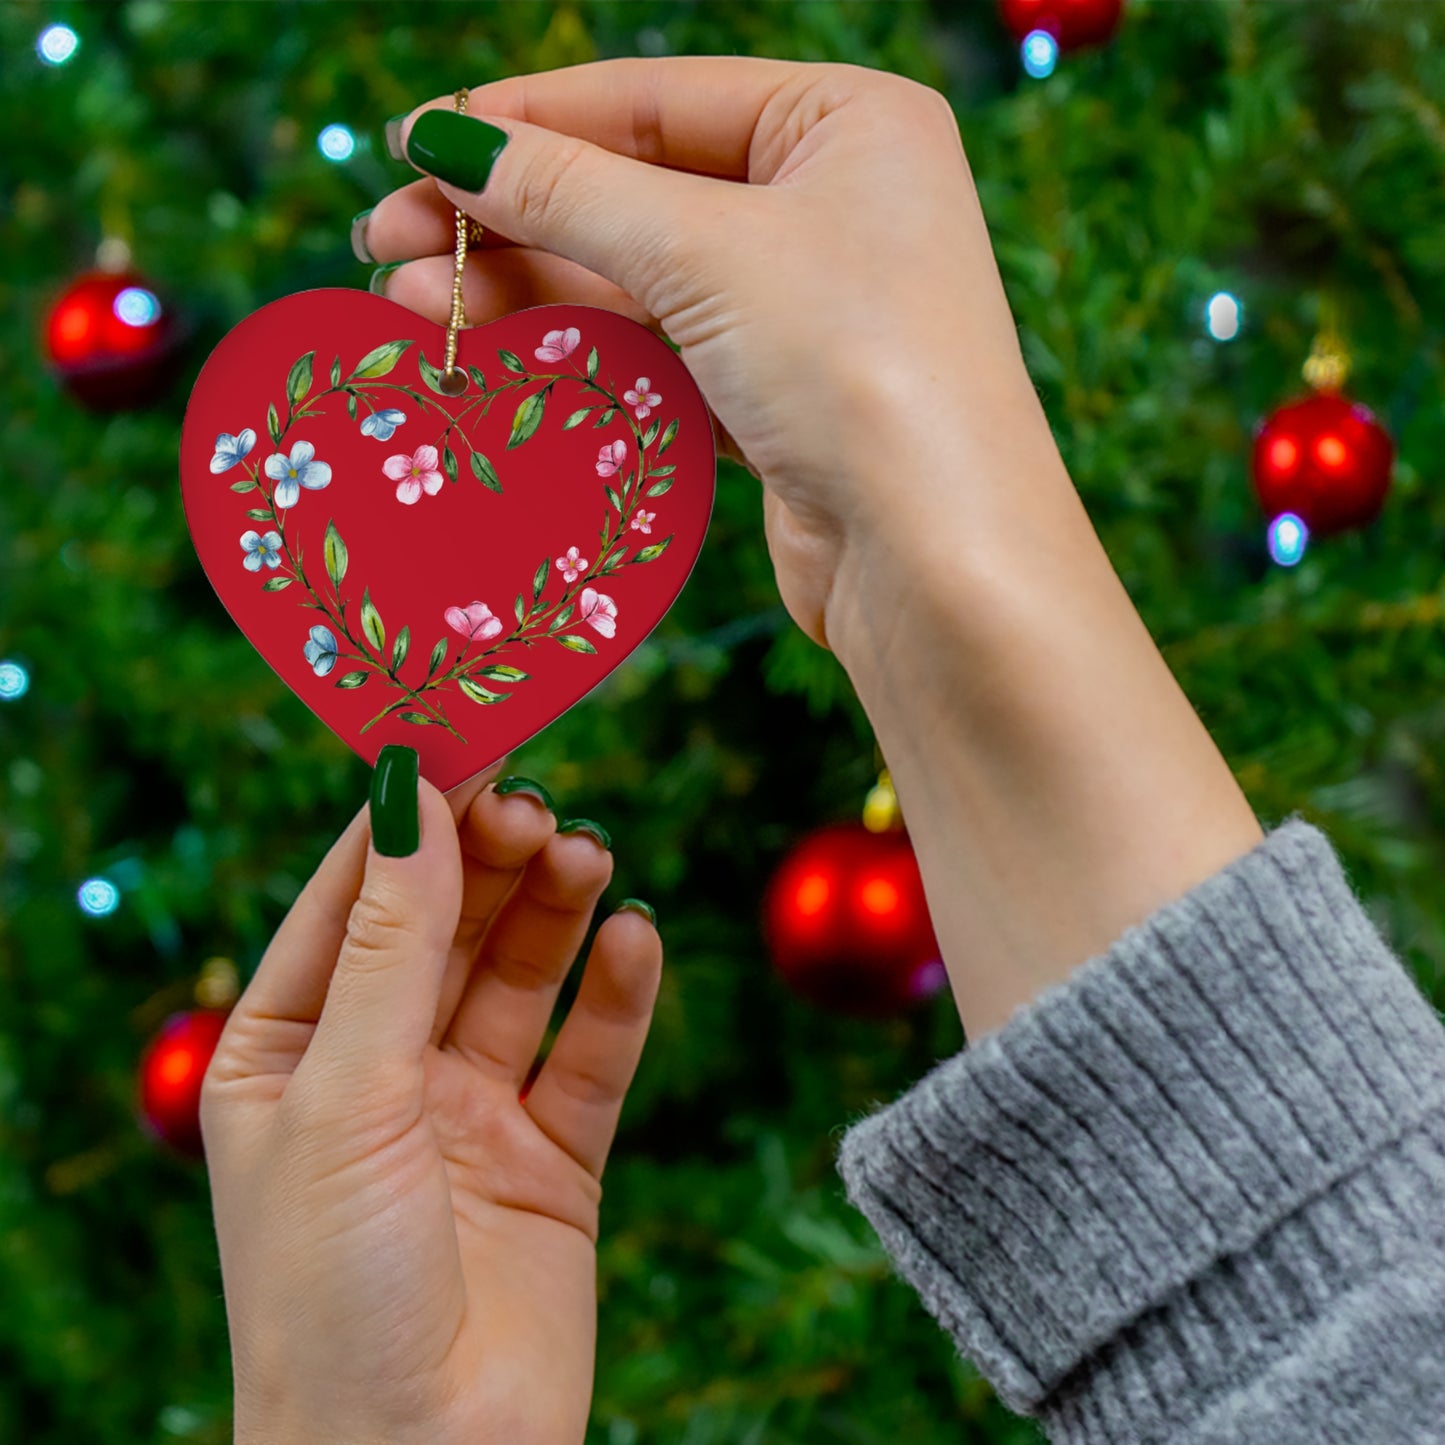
<point>1196,1192</point>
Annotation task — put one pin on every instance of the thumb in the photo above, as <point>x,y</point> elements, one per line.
<point>382,1000</point>
<point>623,219</point>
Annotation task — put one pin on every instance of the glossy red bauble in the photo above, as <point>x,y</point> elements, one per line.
<point>1324,458</point>
<point>1073,23</point>
<point>171,1071</point>
<point>847,924</point>
<point>111,340</point>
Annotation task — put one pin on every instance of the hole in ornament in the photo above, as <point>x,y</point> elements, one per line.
<point>452,383</point>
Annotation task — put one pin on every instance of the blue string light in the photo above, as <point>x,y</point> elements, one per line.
<point>336,143</point>
<point>14,681</point>
<point>1288,538</point>
<point>98,897</point>
<point>136,306</point>
<point>1040,53</point>
<point>57,44</point>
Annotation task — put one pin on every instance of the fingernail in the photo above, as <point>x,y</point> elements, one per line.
<point>359,247</point>
<point>586,825</point>
<point>393,137</point>
<point>395,824</point>
<point>377,284</point>
<point>636,905</point>
<point>455,148</point>
<point>526,785</point>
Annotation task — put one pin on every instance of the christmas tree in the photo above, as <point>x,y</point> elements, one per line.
<point>1179,215</point>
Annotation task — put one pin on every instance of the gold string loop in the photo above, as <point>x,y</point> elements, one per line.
<point>452,381</point>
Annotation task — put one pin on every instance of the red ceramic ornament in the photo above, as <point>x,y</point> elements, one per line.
<point>111,340</point>
<point>171,1072</point>
<point>1073,23</point>
<point>1324,458</point>
<point>446,572</point>
<point>847,923</point>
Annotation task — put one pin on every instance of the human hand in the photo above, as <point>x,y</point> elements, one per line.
<point>843,304</point>
<point>408,1247</point>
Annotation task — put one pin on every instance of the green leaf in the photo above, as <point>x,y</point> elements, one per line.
<point>565,615</point>
<point>429,373</point>
<point>666,471</point>
<point>592,360</point>
<point>400,648</point>
<point>438,656</point>
<point>335,552</point>
<point>379,360</point>
<point>273,424</point>
<point>503,672</point>
<point>669,436</point>
<point>277,584</point>
<point>371,623</point>
<point>520,608</point>
<point>661,488</point>
<point>449,463</point>
<point>605,417</point>
<point>528,418</point>
<point>536,608</point>
<point>351,405</point>
<point>478,693</point>
<point>650,435</point>
<point>336,372</point>
<point>419,718</point>
<point>298,380</point>
<point>578,417</point>
<point>246,484</point>
<point>259,514</point>
<point>485,472</point>
<point>512,362</point>
<point>652,553</point>
<point>573,643</point>
<point>477,377</point>
<point>613,497</point>
<point>354,679</point>
<point>540,580</point>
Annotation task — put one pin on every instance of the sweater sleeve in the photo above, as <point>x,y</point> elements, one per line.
<point>1196,1192</point>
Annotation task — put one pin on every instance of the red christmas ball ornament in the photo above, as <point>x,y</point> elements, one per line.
<point>111,341</point>
<point>1326,459</point>
<point>1072,23</point>
<point>847,924</point>
<point>171,1071</point>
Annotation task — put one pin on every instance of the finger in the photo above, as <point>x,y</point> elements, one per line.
<point>382,997</point>
<point>577,1098</point>
<point>500,282</point>
<point>415,220</point>
<point>499,834</point>
<point>504,1010</point>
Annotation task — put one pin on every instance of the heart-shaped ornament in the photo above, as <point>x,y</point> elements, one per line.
<point>449,572</point>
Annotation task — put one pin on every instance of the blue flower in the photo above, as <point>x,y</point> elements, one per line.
<point>321,650</point>
<point>259,549</point>
<point>230,449</point>
<point>381,424</point>
<point>296,471</point>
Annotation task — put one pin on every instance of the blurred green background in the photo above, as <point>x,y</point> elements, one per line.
<point>1292,154</point>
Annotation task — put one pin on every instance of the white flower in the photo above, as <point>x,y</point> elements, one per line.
<point>642,398</point>
<point>230,449</point>
<point>296,471</point>
<point>259,549</point>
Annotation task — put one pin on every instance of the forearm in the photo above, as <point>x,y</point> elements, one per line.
<point>1056,782</point>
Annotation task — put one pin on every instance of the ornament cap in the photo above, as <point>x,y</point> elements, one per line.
<point>1327,367</point>
<point>880,809</point>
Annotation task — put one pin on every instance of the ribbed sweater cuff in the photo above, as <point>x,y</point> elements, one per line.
<point>1119,1153</point>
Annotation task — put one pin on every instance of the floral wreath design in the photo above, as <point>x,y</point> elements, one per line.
<point>361,638</point>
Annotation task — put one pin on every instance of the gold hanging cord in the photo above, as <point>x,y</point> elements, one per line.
<point>454,382</point>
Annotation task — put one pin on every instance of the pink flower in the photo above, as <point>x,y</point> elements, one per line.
<point>475,621</point>
<point>642,522</point>
<point>556,345</point>
<point>414,474</point>
<point>572,565</point>
<point>598,611</point>
<point>610,459</point>
<point>642,399</point>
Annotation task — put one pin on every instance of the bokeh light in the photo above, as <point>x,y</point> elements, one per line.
<point>1288,537</point>
<point>57,44</point>
<point>14,681</point>
<point>336,143</point>
<point>137,307</point>
<point>1040,52</point>
<point>98,897</point>
<point>1223,316</point>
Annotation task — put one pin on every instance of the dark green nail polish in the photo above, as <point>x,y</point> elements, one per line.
<point>393,136</point>
<point>526,785</point>
<point>636,905</point>
<point>455,148</point>
<point>586,825</point>
<point>395,824</point>
<point>377,284</point>
<point>358,237</point>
